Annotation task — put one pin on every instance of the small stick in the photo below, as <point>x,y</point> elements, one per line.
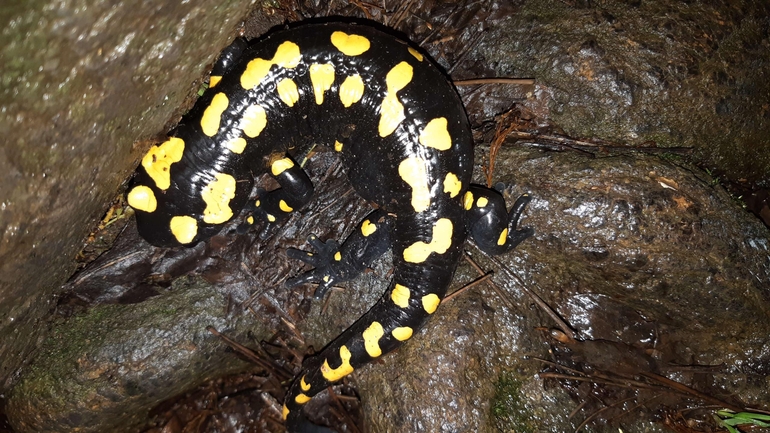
<point>475,282</point>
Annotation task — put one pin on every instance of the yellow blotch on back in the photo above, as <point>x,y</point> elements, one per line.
<point>482,201</point>
<point>430,303</point>
<point>351,90</point>
<point>402,333</point>
<point>288,92</point>
<point>335,374</point>
<point>412,171</point>
<point>392,111</point>
<point>368,227</point>
<point>400,296</point>
<point>435,134</point>
<point>285,412</point>
<point>212,116</point>
<point>419,251</point>
<point>284,206</point>
<point>286,56</point>
<point>157,162</point>
<point>301,398</point>
<point>184,228</point>
<point>372,336</point>
<point>468,200</point>
<point>214,80</point>
<point>337,146</point>
<point>417,55</point>
<point>304,385</point>
<point>254,120</point>
<point>217,195</point>
<point>281,165</point>
<point>503,237</point>
<point>322,77</point>
<point>350,45</point>
<point>452,184</point>
<point>236,145</point>
<point>142,198</point>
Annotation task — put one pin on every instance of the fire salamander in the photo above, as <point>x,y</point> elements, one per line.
<point>403,136</point>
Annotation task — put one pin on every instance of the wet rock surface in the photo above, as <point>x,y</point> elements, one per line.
<point>104,369</point>
<point>671,73</point>
<point>628,250</point>
<point>647,258</point>
<point>82,82</point>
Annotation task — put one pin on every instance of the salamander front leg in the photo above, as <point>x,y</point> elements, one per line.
<point>274,206</point>
<point>493,228</point>
<point>334,263</point>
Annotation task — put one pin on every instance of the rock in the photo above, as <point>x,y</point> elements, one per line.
<point>81,83</point>
<point>632,250</point>
<point>673,73</point>
<point>105,369</point>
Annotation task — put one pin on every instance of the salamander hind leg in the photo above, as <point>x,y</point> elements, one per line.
<point>334,263</point>
<point>492,228</point>
<point>274,206</point>
<point>425,256</point>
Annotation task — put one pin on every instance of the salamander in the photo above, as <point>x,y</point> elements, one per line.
<point>403,136</point>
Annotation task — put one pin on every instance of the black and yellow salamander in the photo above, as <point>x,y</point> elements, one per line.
<point>403,136</point>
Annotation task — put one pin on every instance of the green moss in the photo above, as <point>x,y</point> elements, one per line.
<point>508,411</point>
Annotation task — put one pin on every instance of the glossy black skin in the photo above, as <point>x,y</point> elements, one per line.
<point>371,164</point>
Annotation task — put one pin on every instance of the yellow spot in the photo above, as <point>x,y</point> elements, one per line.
<point>417,55</point>
<point>412,171</point>
<point>236,145</point>
<point>419,251</point>
<point>335,374</point>
<point>214,80</point>
<point>392,111</point>
<point>257,203</point>
<point>503,237</point>
<point>452,184</point>
<point>322,77</point>
<point>368,227</point>
<point>217,195</point>
<point>301,398</point>
<point>184,228</point>
<point>157,162</point>
<point>284,207</point>
<point>213,114</point>
<point>142,198</point>
<point>337,146</point>
<point>254,120</point>
<point>281,165</point>
<point>351,90</point>
<point>400,296</point>
<point>372,336</point>
<point>250,220</point>
<point>403,333</point>
<point>482,201</point>
<point>326,278</point>
<point>270,218</point>
<point>430,303</point>
<point>468,200</point>
<point>288,92</point>
<point>350,45</point>
<point>338,256</point>
<point>304,385</point>
<point>285,412</point>
<point>286,56</point>
<point>435,134</point>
